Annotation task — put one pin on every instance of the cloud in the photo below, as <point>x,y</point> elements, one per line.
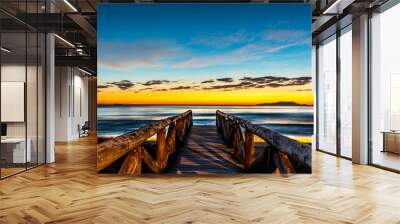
<point>246,47</point>
<point>282,47</point>
<point>155,82</point>
<point>161,90</point>
<point>102,86</point>
<point>248,53</point>
<point>274,81</point>
<point>123,84</point>
<point>140,54</point>
<point>238,47</point>
<point>285,35</point>
<point>225,80</point>
<point>144,89</point>
<point>264,79</point>
<point>208,81</point>
<point>300,81</point>
<point>222,40</point>
<point>182,87</point>
<point>245,82</point>
<point>303,90</point>
<point>231,86</point>
<point>262,82</point>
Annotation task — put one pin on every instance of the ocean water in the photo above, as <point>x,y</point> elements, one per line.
<point>114,120</point>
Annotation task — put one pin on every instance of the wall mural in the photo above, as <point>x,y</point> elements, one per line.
<point>204,88</point>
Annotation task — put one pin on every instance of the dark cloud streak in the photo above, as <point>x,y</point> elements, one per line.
<point>182,87</point>
<point>244,83</point>
<point>225,80</point>
<point>103,86</point>
<point>208,81</point>
<point>123,84</point>
<point>155,82</point>
<point>140,90</point>
<point>261,82</point>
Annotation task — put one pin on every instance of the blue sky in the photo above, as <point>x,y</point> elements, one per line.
<point>196,42</point>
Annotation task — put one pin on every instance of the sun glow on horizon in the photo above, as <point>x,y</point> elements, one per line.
<point>244,97</point>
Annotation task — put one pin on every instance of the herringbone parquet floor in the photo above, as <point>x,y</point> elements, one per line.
<point>70,191</point>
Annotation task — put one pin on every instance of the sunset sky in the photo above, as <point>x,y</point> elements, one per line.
<point>204,54</point>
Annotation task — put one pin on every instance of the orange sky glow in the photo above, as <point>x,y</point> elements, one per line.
<point>252,96</point>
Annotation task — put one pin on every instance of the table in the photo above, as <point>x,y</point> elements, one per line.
<point>15,148</point>
<point>391,141</point>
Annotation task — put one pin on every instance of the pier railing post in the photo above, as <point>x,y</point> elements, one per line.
<point>218,122</point>
<point>249,149</point>
<point>171,138</point>
<point>293,155</point>
<point>237,143</point>
<point>161,149</point>
<point>181,130</point>
<point>132,163</point>
<point>131,148</point>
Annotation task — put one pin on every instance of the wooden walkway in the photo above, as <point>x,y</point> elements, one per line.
<point>182,148</point>
<point>204,152</point>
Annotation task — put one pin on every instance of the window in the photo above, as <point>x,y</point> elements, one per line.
<point>22,93</point>
<point>346,92</point>
<point>327,95</point>
<point>385,89</point>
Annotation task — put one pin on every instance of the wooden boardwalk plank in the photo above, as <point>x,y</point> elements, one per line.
<point>204,153</point>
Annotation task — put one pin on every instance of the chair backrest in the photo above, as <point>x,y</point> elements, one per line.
<point>86,125</point>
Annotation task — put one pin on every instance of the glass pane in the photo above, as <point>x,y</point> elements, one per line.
<point>32,87</point>
<point>346,94</point>
<point>41,98</point>
<point>385,84</point>
<point>31,98</point>
<point>327,96</point>
<point>13,86</point>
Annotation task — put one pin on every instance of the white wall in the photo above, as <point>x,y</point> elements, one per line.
<point>80,111</point>
<point>17,73</point>
<point>71,102</point>
<point>33,126</point>
<point>61,103</point>
<point>14,73</point>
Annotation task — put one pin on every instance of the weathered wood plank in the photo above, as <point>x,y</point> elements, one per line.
<point>150,162</point>
<point>161,148</point>
<point>238,144</point>
<point>285,163</point>
<point>249,149</point>
<point>204,152</point>
<point>298,153</point>
<point>181,129</point>
<point>113,149</point>
<point>132,163</point>
<point>171,138</point>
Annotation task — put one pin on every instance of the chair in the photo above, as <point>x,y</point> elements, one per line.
<point>84,130</point>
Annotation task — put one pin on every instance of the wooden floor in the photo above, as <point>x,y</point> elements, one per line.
<point>70,191</point>
<point>204,153</point>
<point>386,159</point>
<point>5,172</point>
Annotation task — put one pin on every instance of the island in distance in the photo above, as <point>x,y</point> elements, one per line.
<point>284,103</point>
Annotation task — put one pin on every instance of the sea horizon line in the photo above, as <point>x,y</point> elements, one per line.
<point>256,105</point>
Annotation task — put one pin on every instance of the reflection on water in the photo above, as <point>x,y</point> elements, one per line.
<point>293,121</point>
